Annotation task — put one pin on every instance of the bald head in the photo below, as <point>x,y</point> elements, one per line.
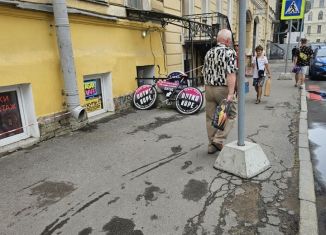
<point>224,36</point>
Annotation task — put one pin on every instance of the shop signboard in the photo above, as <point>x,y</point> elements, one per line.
<point>10,118</point>
<point>93,95</point>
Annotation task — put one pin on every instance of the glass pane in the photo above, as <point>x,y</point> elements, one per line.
<point>10,119</point>
<point>93,95</point>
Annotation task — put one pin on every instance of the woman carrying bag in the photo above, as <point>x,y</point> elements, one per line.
<point>260,65</point>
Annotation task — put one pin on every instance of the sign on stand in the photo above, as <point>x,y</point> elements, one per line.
<point>292,9</point>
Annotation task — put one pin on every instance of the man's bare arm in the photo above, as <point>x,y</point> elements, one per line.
<point>231,80</point>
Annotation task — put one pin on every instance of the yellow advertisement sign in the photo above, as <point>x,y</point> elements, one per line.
<point>93,104</point>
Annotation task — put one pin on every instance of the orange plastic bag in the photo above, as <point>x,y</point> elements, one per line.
<point>267,90</point>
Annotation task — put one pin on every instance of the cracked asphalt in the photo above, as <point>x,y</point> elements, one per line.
<point>148,172</point>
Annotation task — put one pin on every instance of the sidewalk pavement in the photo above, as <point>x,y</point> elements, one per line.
<point>148,172</point>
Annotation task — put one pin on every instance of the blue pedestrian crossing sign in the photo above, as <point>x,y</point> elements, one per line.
<point>292,9</point>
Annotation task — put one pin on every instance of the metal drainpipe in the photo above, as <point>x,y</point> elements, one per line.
<point>66,58</point>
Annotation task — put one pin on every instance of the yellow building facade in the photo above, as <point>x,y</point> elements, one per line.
<point>110,49</point>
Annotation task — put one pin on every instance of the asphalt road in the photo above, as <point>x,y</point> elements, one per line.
<point>148,172</point>
<point>317,136</point>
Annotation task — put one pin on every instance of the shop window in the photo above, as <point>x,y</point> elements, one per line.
<point>17,116</point>
<point>10,117</point>
<point>98,94</point>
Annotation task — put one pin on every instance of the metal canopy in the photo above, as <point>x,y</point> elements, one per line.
<point>199,32</point>
<point>204,25</point>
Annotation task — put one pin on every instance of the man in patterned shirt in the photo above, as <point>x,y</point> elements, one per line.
<point>302,60</point>
<point>219,72</point>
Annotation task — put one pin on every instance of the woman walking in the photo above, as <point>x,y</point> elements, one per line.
<point>260,65</point>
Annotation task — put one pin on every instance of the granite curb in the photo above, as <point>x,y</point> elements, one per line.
<point>307,197</point>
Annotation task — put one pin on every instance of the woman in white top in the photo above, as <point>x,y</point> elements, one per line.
<point>260,65</point>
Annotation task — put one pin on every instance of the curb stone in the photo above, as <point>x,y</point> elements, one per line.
<point>307,197</point>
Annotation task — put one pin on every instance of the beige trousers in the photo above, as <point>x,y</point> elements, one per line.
<point>214,95</point>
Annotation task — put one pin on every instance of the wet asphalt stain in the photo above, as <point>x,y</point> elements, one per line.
<point>264,126</point>
<point>116,116</point>
<point>186,165</point>
<point>158,122</point>
<point>31,185</point>
<point>7,153</point>
<point>151,194</point>
<point>89,127</point>
<point>156,164</point>
<point>121,226</point>
<point>123,186</point>
<point>194,190</point>
<point>86,231</point>
<point>49,192</point>
<point>269,107</point>
<point>176,149</point>
<point>90,203</point>
<point>242,204</point>
<point>50,229</point>
<point>164,136</point>
<point>114,200</point>
<point>57,224</point>
<point>154,217</point>
<point>198,168</point>
<point>22,210</point>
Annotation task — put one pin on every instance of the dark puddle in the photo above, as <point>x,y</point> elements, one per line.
<point>194,190</point>
<point>151,194</point>
<point>317,135</point>
<point>164,136</point>
<point>50,192</point>
<point>186,165</point>
<point>86,231</point>
<point>176,149</point>
<point>121,226</point>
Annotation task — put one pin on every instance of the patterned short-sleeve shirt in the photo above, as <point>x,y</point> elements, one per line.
<point>219,61</point>
<point>304,54</point>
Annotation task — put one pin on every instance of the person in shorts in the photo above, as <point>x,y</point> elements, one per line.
<point>302,60</point>
<point>260,65</point>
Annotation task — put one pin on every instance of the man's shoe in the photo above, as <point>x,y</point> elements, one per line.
<point>214,147</point>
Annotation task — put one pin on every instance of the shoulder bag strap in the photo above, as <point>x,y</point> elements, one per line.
<point>257,63</point>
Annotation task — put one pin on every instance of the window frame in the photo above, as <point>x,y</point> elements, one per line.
<point>21,106</point>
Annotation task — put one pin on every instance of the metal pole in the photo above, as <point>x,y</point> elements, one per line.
<point>242,62</point>
<point>301,30</point>
<point>288,46</point>
<point>66,58</point>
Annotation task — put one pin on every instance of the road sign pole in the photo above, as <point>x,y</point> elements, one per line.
<point>242,62</point>
<point>288,46</point>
